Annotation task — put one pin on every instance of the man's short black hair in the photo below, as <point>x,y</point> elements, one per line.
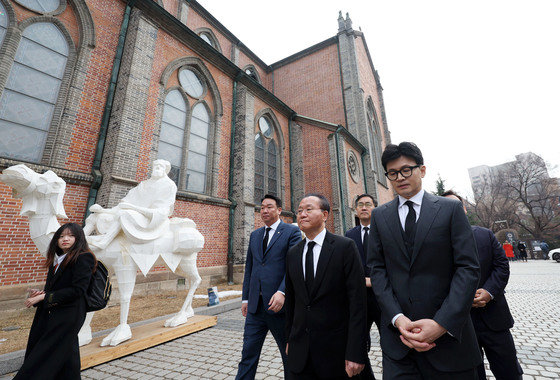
<point>451,192</point>
<point>363,196</point>
<point>407,149</point>
<point>323,201</point>
<point>274,198</point>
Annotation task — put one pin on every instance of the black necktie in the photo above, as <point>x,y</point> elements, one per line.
<point>409,223</point>
<point>265,241</point>
<point>365,240</point>
<point>309,271</point>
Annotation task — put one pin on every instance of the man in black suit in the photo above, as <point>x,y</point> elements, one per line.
<point>325,300</point>
<point>490,312</point>
<point>364,205</point>
<point>424,274</point>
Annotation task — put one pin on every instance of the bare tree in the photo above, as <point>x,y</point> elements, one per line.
<point>535,196</point>
<point>493,204</point>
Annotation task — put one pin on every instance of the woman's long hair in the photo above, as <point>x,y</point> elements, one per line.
<point>80,245</point>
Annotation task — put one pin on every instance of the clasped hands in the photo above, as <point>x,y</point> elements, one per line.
<point>419,335</point>
<point>481,298</point>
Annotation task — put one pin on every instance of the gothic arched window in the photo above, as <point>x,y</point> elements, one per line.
<point>28,101</point>
<point>185,135</point>
<point>3,23</point>
<point>266,159</point>
<point>40,6</point>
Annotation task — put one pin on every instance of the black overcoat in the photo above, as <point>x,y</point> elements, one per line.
<point>52,349</point>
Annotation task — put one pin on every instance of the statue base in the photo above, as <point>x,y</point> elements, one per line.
<point>143,337</point>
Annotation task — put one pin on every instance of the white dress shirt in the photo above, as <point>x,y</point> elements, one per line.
<point>319,239</point>
<point>57,261</point>
<point>403,212</point>
<point>417,205</point>
<point>364,231</point>
<point>272,231</point>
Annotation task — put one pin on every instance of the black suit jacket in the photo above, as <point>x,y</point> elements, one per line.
<point>52,349</point>
<point>327,326</point>
<point>438,281</point>
<point>494,275</point>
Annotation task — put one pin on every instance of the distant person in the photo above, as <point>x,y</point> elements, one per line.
<point>364,205</point>
<point>325,300</point>
<point>424,274</point>
<point>263,285</point>
<point>545,249</point>
<point>508,248</point>
<point>490,313</point>
<point>522,251</point>
<point>52,349</point>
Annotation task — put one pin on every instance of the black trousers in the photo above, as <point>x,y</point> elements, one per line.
<point>415,366</point>
<point>500,352</point>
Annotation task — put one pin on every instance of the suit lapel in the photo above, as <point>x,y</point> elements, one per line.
<point>259,242</point>
<point>391,215</point>
<point>428,212</point>
<point>274,237</point>
<point>297,265</point>
<point>324,258</point>
<point>56,275</point>
<point>358,237</point>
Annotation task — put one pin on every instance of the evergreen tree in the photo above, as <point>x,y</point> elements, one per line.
<point>440,186</point>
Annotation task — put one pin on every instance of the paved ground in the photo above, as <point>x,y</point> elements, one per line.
<point>533,294</point>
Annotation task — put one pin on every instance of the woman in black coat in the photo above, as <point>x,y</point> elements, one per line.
<point>52,349</point>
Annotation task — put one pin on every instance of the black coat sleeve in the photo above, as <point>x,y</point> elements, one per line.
<point>81,277</point>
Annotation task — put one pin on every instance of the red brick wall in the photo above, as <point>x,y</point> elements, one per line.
<point>316,165</point>
<point>20,261</point>
<point>311,86</point>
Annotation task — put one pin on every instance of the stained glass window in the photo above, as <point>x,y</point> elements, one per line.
<point>198,149</point>
<point>191,83</point>
<point>41,6</point>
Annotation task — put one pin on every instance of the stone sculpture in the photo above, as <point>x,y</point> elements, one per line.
<point>128,237</point>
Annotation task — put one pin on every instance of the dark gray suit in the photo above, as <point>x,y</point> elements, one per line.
<point>437,282</point>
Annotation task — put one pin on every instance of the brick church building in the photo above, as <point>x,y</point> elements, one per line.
<point>96,90</point>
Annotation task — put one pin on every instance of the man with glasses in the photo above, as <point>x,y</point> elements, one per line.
<point>424,273</point>
<point>364,205</point>
<point>325,300</point>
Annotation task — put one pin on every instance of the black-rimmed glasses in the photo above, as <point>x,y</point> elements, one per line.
<point>406,172</point>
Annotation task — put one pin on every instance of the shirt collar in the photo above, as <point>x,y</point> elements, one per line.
<point>58,259</point>
<point>362,226</point>
<point>319,239</point>
<point>416,199</point>
<point>275,225</point>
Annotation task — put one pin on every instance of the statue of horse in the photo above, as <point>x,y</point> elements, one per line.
<point>177,244</point>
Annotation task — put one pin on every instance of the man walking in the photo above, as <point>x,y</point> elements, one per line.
<point>264,285</point>
<point>364,205</point>
<point>325,300</point>
<point>490,313</point>
<point>424,274</point>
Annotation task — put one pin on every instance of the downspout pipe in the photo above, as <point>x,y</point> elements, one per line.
<point>233,204</point>
<point>290,152</point>
<point>343,213</point>
<point>96,167</point>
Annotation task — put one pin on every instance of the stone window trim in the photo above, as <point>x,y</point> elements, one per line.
<point>376,138</point>
<point>196,64</point>
<point>278,137</point>
<point>210,34</point>
<point>254,73</point>
<point>353,166</point>
<point>182,6</point>
<point>57,11</point>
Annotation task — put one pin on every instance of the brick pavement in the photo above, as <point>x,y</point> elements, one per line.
<point>533,295</point>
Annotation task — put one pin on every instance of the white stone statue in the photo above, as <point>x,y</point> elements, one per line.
<point>128,237</point>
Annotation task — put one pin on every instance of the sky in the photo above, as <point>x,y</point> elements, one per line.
<point>470,82</point>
